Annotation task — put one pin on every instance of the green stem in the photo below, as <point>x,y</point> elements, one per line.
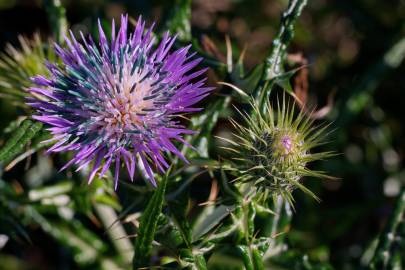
<point>199,262</point>
<point>244,251</point>
<point>273,64</point>
<point>257,259</point>
<point>383,252</point>
<point>57,18</point>
<point>276,226</point>
<point>251,256</point>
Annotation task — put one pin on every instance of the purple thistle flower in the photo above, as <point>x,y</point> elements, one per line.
<point>119,100</point>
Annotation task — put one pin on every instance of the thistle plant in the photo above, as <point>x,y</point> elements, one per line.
<point>119,101</point>
<point>128,97</point>
<point>273,148</point>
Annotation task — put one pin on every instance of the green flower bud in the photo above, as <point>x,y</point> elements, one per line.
<point>19,64</point>
<point>272,149</point>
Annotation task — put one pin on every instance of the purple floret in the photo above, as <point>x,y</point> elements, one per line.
<point>119,100</point>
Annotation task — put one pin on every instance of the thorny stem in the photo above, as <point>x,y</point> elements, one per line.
<point>246,227</point>
<point>252,258</point>
<point>273,64</point>
<point>388,236</point>
<point>245,254</point>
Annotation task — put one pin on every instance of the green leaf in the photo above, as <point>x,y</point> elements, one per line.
<point>15,137</point>
<point>178,208</point>
<point>283,80</point>
<point>147,226</point>
<point>116,232</point>
<point>274,218</point>
<point>192,259</point>
<point>19,139</point>
<point>210,219</point>
<point>168,234</point>
<point>248,82</point>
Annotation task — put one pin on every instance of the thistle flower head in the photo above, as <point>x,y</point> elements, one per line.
<point>273,149</point>
<point>119,100</point>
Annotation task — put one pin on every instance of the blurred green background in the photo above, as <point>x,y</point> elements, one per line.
<point>352,51</point>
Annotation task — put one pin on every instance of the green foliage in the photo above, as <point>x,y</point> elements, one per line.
<point>178,19</point>
<point>40,207</point>
<point>15,145</point>
<point>148,224</point>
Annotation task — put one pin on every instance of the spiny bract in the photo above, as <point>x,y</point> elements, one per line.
<point>272,149</point>
<point>119,100</point>
<point>18,64</point>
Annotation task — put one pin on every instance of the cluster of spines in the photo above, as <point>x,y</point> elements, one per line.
<point>262,158</point>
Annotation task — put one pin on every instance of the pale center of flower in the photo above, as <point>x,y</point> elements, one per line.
<point>286,143</point>
<point>132,106</point>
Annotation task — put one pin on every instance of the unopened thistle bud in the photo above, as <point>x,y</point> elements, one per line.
<point>18,64</point>
<point>273,149</point>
